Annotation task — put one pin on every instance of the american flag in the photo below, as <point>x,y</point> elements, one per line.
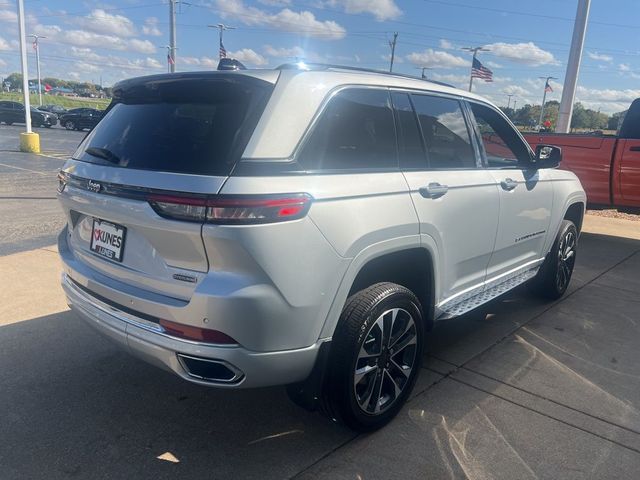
<point>170,59</point>
<point>547,87</point>
<point>223,51</point>
<point>35,45</point>
<point>480,71</point>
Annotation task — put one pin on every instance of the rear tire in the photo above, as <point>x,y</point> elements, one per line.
<point>554,276</point>
<point>375,357</point>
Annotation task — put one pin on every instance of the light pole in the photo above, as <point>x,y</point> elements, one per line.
<point>547,87</point>
<point>573,65</point>
<point>509,95</point>
<point>172,36</point>
<point>222,52</point>
<point>36,47</point>
<point>475,51</point>
<point>29,141</point>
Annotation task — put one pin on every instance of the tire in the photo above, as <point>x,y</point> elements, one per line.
<point>388,317</point>
<point>70,125</point>
<point>554,276</point>
<point>48,126</point>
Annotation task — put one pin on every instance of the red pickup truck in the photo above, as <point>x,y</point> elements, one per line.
<point>607,165</point>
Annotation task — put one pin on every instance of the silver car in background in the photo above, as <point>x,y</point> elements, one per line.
<point>305,227</point>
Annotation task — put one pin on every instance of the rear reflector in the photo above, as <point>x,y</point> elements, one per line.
<point>233,209</point>
<point>195,333</point>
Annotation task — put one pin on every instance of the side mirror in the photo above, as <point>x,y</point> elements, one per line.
<point>547,156</point>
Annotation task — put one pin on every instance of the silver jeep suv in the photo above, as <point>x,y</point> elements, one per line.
<point>305,226</point>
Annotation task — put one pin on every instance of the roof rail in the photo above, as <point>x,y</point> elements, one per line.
<point>304,66</point>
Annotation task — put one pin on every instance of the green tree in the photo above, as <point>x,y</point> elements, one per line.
<point>15,81</point>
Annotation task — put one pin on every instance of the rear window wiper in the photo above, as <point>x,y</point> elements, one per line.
<point>103,153</point>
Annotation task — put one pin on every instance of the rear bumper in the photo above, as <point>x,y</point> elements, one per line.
<point>147,341</point>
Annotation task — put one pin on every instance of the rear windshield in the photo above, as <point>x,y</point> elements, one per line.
<point>193,125</point>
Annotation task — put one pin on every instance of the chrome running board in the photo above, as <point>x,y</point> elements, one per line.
<point>493,289</point>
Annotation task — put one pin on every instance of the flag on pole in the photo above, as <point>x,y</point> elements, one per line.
<point>547,87</point>
<point>47,87</point>
<point>480,71</point>
<point>170,59</point>
<point>35,45</point>
<point>223,51</point>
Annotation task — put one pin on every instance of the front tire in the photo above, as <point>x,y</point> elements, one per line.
<point>69,125</point>
<point>375,357</point>
<point>554,276</point>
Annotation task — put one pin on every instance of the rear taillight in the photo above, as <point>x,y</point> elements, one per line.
<point>233,209</point>
<point>195,333</point>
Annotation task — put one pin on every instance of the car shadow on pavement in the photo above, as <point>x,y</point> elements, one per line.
<point>75,406</point>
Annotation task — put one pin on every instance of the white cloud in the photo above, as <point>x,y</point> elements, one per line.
<point>624,67</point>
<point>8,16</point>
<point>446,44</point>
<point>525,53</point>
<point>381,9</point>
<point>283,52</point>
<point>437,58</point>
<point>83,38</point>
<point>456,80</point>
<point>387,58</point>
<point>247,55</point>
<point>150,27</point>
<point>600,57</point>
<point>492,64</point>
<point>275,3</point>
<point>303,23</point>
<point>4,45</point>
<point>99,21</point>
<point>88,57</point>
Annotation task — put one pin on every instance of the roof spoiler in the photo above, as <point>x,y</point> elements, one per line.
<point>230,64</point>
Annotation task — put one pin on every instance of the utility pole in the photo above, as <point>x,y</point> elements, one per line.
<point>475,51</point>
<point>544,97</point>
<point>222,52</point>
<point>573,66</point>
<point>172,35</point>
<point>392,44</point>
<point>36,46</point>
<point>423,76</point>
<point>509,101</point>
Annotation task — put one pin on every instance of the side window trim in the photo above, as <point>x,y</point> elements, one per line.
<point>485,162</point>
<point>478,145</point>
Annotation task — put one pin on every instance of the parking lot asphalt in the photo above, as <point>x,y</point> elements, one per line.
<point>31,217</point>
<point>518,389</point>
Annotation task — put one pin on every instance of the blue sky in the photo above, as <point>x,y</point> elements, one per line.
<point>124,38</point>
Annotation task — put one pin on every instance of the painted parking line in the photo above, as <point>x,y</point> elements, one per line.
<point>56,155</point>
<point>25,169</point>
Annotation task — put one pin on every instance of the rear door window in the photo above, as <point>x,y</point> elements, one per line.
<point>445,132</point>
<point>196,126</point>
<point>355,132</point>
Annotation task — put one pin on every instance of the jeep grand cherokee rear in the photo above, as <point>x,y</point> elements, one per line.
<point>155,257</point>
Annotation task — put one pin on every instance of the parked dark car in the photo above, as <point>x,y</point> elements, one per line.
<point>80,118</point>
<point>13,112</point>
<point>57,109</point>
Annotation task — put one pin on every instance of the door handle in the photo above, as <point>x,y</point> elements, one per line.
<point>508,184</point>
<point>634,149</point>
<point>433,190</point>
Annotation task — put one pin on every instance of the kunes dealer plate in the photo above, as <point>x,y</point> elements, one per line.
<point>107,239</point>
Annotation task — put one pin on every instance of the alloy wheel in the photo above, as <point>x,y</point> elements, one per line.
<point>566,259</point>
<point>385,361</point>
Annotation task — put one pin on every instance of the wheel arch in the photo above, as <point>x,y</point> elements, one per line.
<point>408,263</point>
<point>575,213</point>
